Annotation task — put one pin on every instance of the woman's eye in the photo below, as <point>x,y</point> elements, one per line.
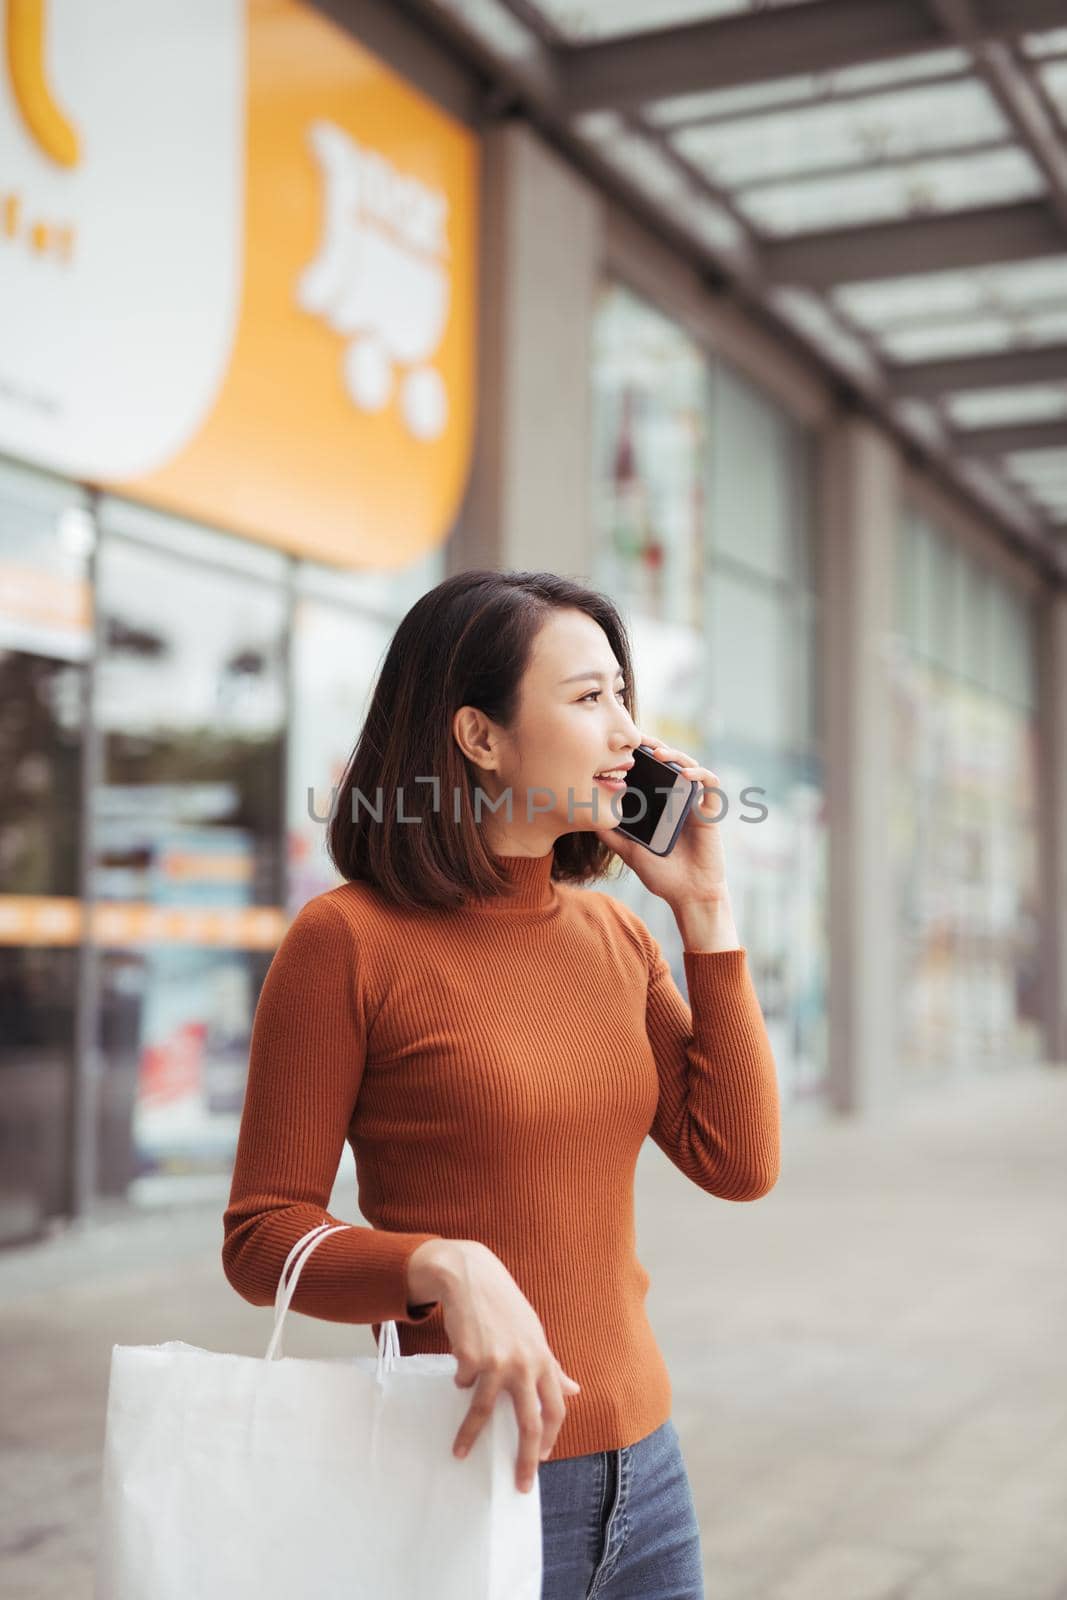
<point>594,694</point>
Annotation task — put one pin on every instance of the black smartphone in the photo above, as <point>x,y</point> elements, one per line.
<point>656,802</point>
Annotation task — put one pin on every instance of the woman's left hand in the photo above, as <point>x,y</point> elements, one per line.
<point>695,870</point>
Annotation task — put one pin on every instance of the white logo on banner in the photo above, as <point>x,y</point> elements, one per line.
<point>381,278</point>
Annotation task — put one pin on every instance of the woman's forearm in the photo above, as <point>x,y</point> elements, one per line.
<point>707,925</point>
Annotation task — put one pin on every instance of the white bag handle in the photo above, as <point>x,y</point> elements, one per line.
<point>287,1281</point>
<point>388,1339</point>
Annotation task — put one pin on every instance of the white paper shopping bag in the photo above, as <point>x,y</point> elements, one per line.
<point>228,1477</point>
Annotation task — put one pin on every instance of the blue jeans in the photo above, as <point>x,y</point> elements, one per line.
<point>621,1524</point>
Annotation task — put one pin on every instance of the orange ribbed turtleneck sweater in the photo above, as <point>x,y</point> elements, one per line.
<point>496,1070</point>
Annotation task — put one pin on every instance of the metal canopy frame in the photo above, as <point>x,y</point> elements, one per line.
<point>1015,436</point>
<point>774,42</point>
<point>1011,369</point>
<point>883,249</point>
<point>595,101</point>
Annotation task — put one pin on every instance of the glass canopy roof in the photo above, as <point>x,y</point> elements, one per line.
<point>985,408</point>
<point>835,136</point>
<point>893,190</point>
<point>1053,43</point>
<point>841,170</point>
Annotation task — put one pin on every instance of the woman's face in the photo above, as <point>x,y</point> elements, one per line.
<point>571,723</point>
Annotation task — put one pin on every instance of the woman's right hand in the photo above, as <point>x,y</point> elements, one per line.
<point>499,1343</point>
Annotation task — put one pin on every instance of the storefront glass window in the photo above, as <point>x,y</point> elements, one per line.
<point>46,539</point>
<point>759,507</point>
<point>693,460</point>
<point>964,810</point>
<point>649,416</point>
<point>342,625</point>
<point>762,640</point>
<point>190,711</point>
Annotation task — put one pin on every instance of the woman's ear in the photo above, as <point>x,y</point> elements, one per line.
<point>473,733</point>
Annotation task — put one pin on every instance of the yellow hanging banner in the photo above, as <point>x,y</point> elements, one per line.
<point>241,260</point>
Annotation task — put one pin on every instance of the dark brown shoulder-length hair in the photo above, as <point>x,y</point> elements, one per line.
<point>467,641</point>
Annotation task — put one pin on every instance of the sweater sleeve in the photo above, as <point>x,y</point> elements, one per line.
<point>305,1067</point>
<point>718,1118</point>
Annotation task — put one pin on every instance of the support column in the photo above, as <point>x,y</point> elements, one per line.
<point>860,496</point>
<point>1052,744</point>
<point>528,501</point>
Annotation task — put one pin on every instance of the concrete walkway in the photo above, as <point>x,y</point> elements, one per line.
<point>868,1368</point>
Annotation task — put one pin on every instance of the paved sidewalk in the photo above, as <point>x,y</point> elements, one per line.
<point>868,1366</point>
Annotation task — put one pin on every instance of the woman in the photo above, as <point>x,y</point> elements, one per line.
<point>495,1041</point>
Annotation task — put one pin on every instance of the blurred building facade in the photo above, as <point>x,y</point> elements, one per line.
<point>431,341</point>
